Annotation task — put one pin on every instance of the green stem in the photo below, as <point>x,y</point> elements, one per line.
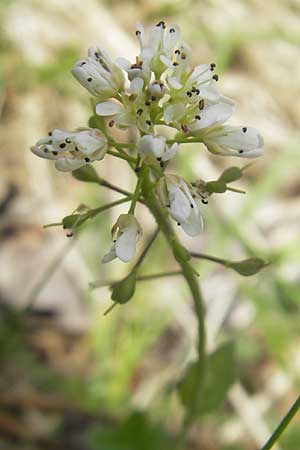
<point>283,425</point>
<point>210,258</point>
<point>122,156</point>
<point>153,276</point>
<point>181,255</point>
<point>188,140</point>
<point>135,195</point>
<point>146,249</point>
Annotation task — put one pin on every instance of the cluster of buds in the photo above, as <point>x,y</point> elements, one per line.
<point>159,88</point>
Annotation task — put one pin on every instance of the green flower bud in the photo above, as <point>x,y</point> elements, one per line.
<point>86,173</point>
<point>123,291</point>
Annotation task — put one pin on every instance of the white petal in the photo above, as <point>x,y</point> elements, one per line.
<point>174,112</point>
<point>171,37</point>
<point>108,109</point>
<point>166,61</point>
<point>174,83</point>
<point>213,114</point>
<point>136,85</point>
<point>194,225</point>
<point>237,139</point>
<point>172,150</point>
<point>123,63</point>
<point>69,164</point>
<point>110,255</point>
<point>40,151</point>
<point>199,71</point>
<point>126,244</point>
<point>179,204</point>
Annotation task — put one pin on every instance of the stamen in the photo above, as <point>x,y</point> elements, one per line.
<point>50,133</point>
<point>148,122</point>
<point>183,56</point>
<point>139,112</point>
<point>161,24</point>
<point>55,153</point>
<point>244,129</point>
<point>90,79</point>
<point>189,94</point>
<point>77,149</point>
<point>201,104</point>
<point>68,140</point>
<point>212,66</point>
<point>184,128</point>
<point>97,55</point>
<point>215,77</point>
<point>172,30</point>
<point>158,159</point>
<point>147,103</point>
<point>45,150</point>
<point>153,98</point>
<point>175,64</point>
<point>69,235</point>
<point>83,63</point>
<point>192,206</point>
<point>178,223</point>
<point>138,33</point>
<point>111,123</point>
<point>177,52</point>
<point>204,201</point>
<point>161,164</point>
<point>87,159</point>
<point>241,151</point>
<point>62,145</point>
<point>198,117</point>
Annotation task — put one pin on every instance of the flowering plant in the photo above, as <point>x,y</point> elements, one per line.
<point>167,103</point>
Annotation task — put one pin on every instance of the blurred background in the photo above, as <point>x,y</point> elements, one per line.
<point>73,379</point>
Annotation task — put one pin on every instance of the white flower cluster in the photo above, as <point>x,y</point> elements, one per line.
<point>159,88</point>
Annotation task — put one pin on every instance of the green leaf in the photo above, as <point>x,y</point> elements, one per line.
<point>248,267</point>
<point>216,187</point>
<point>86,173</point>
<point>231,174</point>
<point>219,376</point>
<point>123,291</point>
<point>136,433</point>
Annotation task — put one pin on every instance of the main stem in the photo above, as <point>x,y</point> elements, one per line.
<point>188,273</point>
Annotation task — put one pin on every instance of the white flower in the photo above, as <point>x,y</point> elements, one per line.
<point>156,147</point>
<point>98,74</point>
<point>196,116</point>
<point>72,149</point>
<point>126,232</point>
<point>177,197</point>
<point>244,142</point>
<point>158,50</point>
<point>129,114</point>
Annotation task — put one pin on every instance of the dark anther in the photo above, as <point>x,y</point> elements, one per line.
<point>241,151</point>
<point>192,206</point>
<point>138,32</point>
<point>161,85</point>
<point>189,94</point>
<point>172,30</point>
<point>244,129</point>
<point>204,201</point>
<point>161,164</point>
<point>178,223</point>
<point>83,63</point>
<point>212,67</point>
<point>168,206</point>
<point>184,128</point>
<point>87,159</point>
<point>97,55</point>
<point>197,91</point>
<point>148,122</point>
<point>68,140</point>
<point>50,133</point>
<point>111,123</point>
<point>69,234</point>
<point>50,142</point>
<point>147,103</point>
<point>45,150</point>
<point>137,169</point>
<point>158,159</point>
<point>177,52</point>
<point>90,79</point>
<point>64,227</point>
<point>201,104</point>
<point>161,24</point>
<point>216,77</point>
<point>175,64</point>
<point>115,240</point>
<point>153,98</point>
<point>77,149</point>
<point>193,89</point>
<point>198,117</point>
<point>139,112</point>
<point>55,153</point>
<point>183,56</point>
<point>62,145</point>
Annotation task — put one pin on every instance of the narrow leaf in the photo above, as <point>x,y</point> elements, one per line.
<point>248,267</point>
